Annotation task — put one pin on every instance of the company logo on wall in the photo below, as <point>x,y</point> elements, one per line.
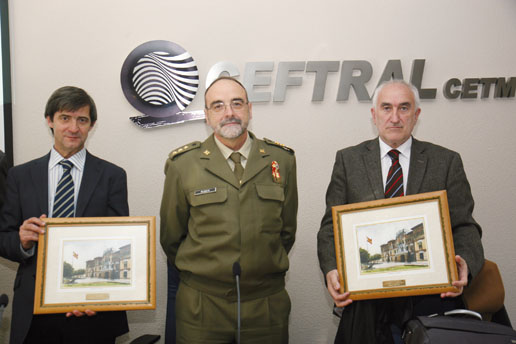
<point>160,79</point>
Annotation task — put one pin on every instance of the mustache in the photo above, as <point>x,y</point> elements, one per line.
<point>229,121</point>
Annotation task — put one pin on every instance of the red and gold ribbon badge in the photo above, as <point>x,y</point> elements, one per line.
<point>275,172</point>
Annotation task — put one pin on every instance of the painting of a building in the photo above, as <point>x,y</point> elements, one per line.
<point>389,251</point>
<point>408,246</point>
<point>111,265</point>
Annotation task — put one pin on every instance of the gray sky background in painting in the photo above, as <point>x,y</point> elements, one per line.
<point>381,233</point>
<point>88,249</point>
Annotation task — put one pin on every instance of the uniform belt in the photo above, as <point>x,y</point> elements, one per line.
<point>271,286</point>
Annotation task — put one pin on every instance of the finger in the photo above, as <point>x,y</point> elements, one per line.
<point>35,221</point>
<point>343,297</point>
<point>450,294</point>
<point>344,303</point>
<point>343,300</point>
<point>459,291</point>
<point>338,297</point>
<point>459,284</point>
<point>32,227</point>
<point>332,279</point>
<point>27,239</point>
<point>29,233</point>
<point>333,293</point>
<point>77,313</point>
<point>90,313</point>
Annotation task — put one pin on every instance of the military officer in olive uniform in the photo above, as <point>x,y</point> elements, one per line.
<point>231,198</point>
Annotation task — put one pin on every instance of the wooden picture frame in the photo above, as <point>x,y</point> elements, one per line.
<point>395,247</point>
<point>96,263</point>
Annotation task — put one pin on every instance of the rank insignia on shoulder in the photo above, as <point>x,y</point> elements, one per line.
<point>183,149</point>
<point>277,144</point>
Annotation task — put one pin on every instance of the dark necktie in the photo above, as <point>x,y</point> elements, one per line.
<point>65,194</point>
<point>394,184</point>
<point>239,169</point>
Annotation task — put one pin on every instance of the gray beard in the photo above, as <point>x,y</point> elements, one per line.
<point>231,132</point>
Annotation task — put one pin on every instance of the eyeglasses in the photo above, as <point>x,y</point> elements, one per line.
<point>236,105</point>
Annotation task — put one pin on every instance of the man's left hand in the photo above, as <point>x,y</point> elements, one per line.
<point>462,268</point>
<point>79,314</point>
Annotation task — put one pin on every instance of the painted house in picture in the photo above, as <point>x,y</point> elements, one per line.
<point>408,246</point>
<point>111,265</point>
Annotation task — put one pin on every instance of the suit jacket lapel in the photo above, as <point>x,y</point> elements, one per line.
<point>214,162</point>
<point>39,175</point>
<point>417,167</point>
<point>90,178</point>
<point>373,168</point>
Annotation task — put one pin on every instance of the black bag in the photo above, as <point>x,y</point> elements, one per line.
<point>448,329</point>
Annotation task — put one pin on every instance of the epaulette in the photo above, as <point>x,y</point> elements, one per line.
<point>277,144</point>
<point>183,149</point>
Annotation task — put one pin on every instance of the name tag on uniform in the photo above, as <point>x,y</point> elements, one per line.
<point>204,191</point>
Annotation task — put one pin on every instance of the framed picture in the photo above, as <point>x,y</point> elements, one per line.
<point>96,263</point>
<point>395,247</point>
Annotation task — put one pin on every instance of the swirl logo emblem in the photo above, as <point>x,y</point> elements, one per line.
<point>160,79</point>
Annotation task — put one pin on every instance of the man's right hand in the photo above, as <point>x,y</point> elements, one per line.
<point>332,281</point>
<point>30,230</point>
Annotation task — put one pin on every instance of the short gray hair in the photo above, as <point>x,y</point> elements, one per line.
<point>411,87</point>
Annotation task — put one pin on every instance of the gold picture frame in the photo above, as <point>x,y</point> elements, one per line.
<point>395,247</point>
<point>96,263</point>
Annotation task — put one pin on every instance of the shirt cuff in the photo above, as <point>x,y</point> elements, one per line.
<point>27,253</point>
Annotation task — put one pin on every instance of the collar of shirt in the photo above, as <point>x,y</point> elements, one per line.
<point>245,150</point>
<point>404,157</point>
<point>78,159</point>
<point>404,149</point>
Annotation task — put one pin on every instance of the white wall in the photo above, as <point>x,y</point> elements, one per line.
<point>84,43</point>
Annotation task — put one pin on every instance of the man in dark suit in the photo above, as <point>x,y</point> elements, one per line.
<point>99,189</point>
<point>361,173</point>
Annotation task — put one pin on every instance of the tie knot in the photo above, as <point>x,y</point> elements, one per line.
<point>236,157</point>
<point>394,154</point>
<point>67,165</point>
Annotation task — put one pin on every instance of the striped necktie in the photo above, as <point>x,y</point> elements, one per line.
<point>65,193</point>
<point>394,184</point>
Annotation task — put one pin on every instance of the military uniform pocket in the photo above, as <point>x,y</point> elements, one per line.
<point>268,208</point>
<point>270,192</point>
